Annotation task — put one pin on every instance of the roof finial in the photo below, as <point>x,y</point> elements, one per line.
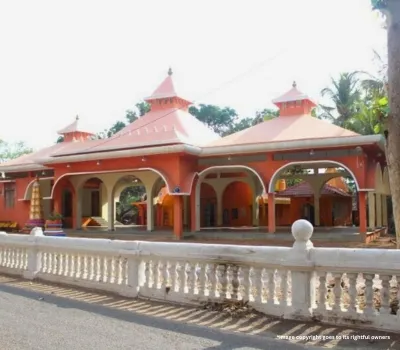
<point>294,84</point>
<point>77,117</point>
<point>170,71</point>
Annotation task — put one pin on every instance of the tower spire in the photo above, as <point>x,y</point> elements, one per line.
<point>170,71</point>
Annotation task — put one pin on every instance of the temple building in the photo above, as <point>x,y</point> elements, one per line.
<point>194,179</point>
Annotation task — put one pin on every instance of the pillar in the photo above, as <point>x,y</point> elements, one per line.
<point>186,211</point>
<point>255,211</point>
<point>371,210</point>
<point>378,210</point>
<point>316,209</point>
<point>110,210</point>
<point>220,206</point>
<point>178,224</point>
<point>150,216</point>
<point>78,208</point>
<point>271,213</point>
<point>384,211</point>
<point>193,209</point>
<point>362,212</point>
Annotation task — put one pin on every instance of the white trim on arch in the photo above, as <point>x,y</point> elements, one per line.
<point>271,186</point>
<point>25,198</point>
<point>204,172</point>
<point>216,167</point>
<point>110,172</point>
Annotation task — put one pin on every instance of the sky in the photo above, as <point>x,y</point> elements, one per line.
<point>99,58</point>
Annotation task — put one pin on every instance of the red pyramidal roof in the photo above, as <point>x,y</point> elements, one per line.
<point>293,94</point>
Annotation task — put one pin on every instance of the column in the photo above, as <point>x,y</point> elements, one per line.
<point>150,215</point>
<point>220,207</point>
<point>378,206</point>
<point>271,213</point>
<point>78,211</point>
<point>186,211</point>
<point>384,211</point>
<point>371,210</point>
<point>255,212</point>
<point>316,209</point>
<point>362,212</point>
<point>178,224</point>
<point>193,212</point>
<point>110,210</point>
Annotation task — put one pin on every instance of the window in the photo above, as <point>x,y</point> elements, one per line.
<point>9,195</point>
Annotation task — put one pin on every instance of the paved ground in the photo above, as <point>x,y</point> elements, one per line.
<point>46,316</point>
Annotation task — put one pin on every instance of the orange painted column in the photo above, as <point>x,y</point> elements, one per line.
<point>362,212</point>
<point>271,213</point>
<point>178,222</point>
<point>193,207</point>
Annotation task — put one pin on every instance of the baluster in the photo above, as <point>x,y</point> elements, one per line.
<point>369,295</point>
<point>244,283</point>
<point>8,264</point>
<point>385,295</point>
<point>167,277</point>
<point>213,280</point>
<point>60,264</point>
<point>84,273</point>
<point>284,285</point>
<point>222,280</point>
<point>271,299</point>
<point>50,264</point>
<point>71,265</point>
<point>12,260</point>
<point>322,290</point>
<point>337,292</point>
<point>65,265</point>
<point>90,273</point>
<point>174,276</point>
<point>353,305</point>
<point>43,262</point>
<point>202,286</point>
<point>110,269</point>
<point>192,277</point>
<point>97,269</point>
<point>102,269</point>
<point>157,268</point>
<point>18,258</point>
<point>147,273</point>
<point>77,266</point>
<point>235,282</point>
<point>182,278</point>
<point>118,268</point>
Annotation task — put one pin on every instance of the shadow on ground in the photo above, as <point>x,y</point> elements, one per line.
<point>243,332</point>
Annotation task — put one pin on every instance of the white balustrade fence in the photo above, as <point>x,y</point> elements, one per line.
<point>335,285</point>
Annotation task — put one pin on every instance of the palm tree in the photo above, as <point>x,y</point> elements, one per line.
<point>345,94</point>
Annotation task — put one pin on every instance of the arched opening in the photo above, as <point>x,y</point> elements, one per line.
<point>237,203</point>
<point>130,201</point>
<point>208,205</point>
<point>322,193</point>
<point>164,205</point>
<point>67,207</point>
<point>224,196</point>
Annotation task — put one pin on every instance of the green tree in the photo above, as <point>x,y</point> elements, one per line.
<point>10,151</point>
<point>344,95</point>
<point>221,120</point>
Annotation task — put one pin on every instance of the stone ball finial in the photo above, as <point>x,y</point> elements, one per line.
<point>302,230</point>
<point>294,84</point>
<point>170,71</point>
<point>77,117</point>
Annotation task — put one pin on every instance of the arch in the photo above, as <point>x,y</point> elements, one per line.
<point>204,172</point>
<point>163,176</point>
<point>98,199</point>
<point>378,178</point>
<point>385,181</point>
<point>275,177</point>
<point>25,198</point>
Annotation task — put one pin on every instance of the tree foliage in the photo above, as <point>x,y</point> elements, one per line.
<point>10,151</point>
